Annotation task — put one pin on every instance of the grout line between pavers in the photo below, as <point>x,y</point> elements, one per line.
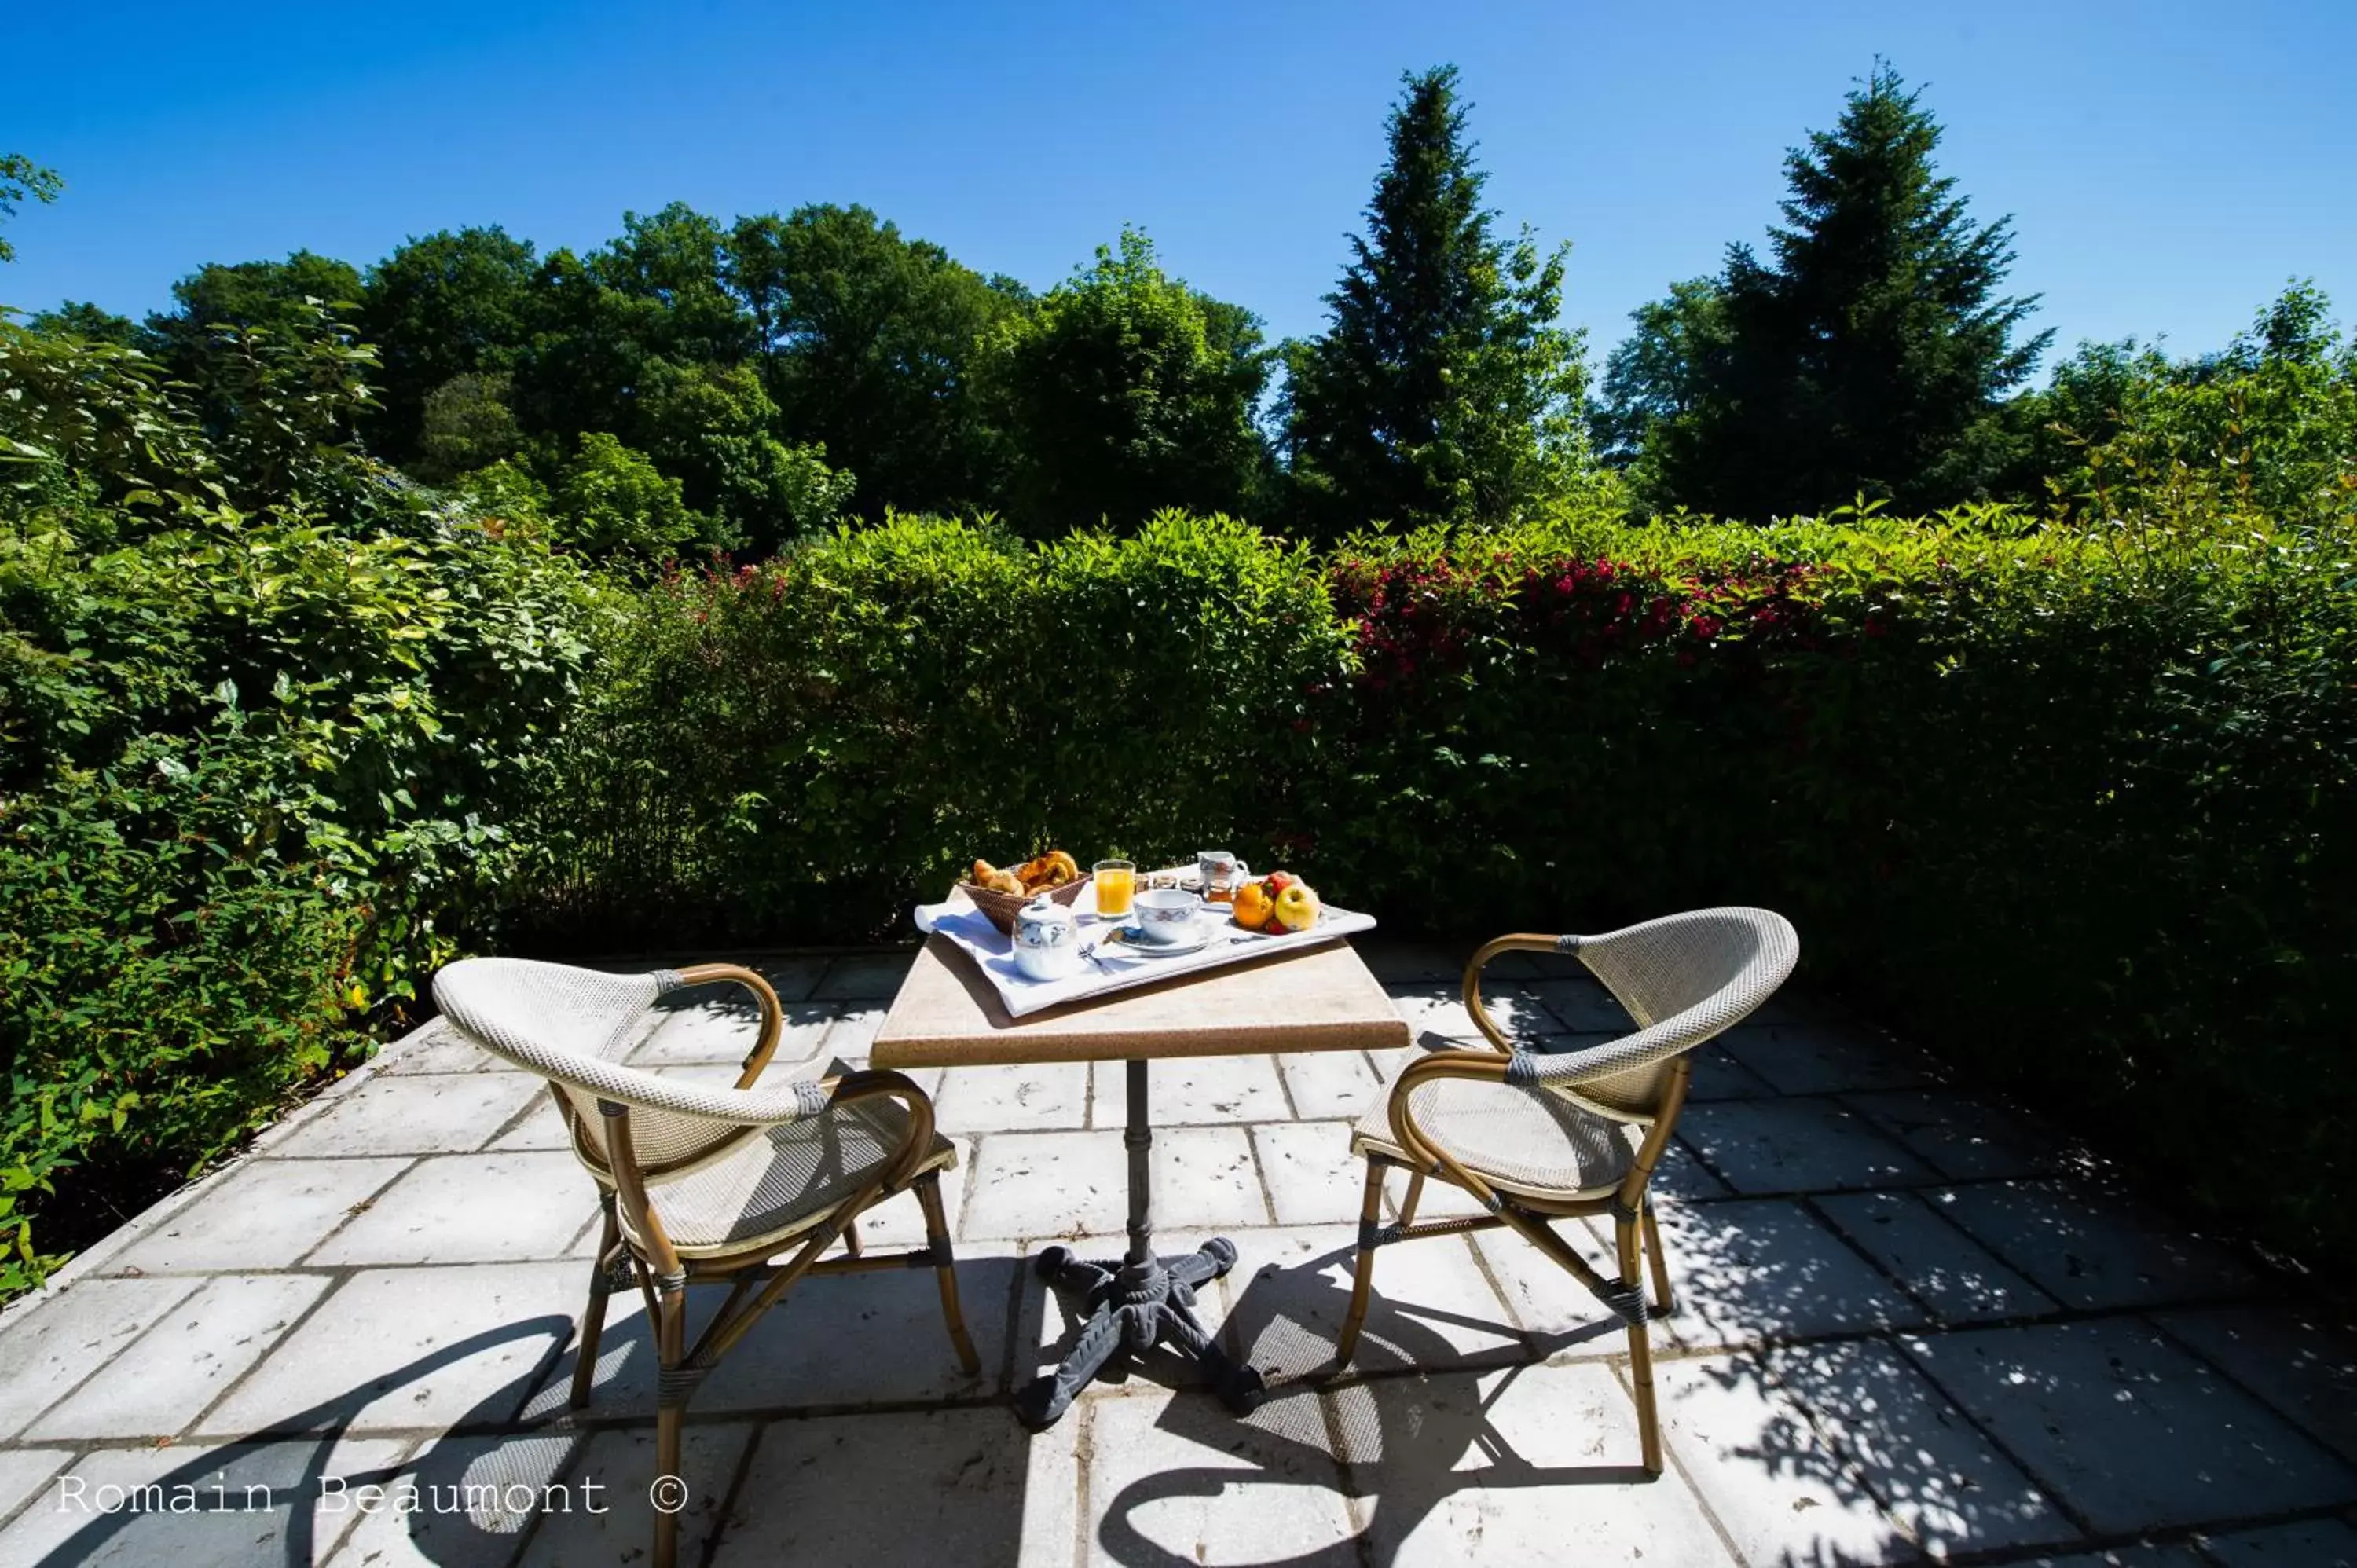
<point>1260,1172</point>
<point>18,1439</point>
<point>2298,1422</point>
<point>1625,1381</point>
<point>73,1456</point>
<point>733,1493</point>
<point>196,1422</point>
<point>1285,1085</point>
<point>367,1202</point>
<point>967,1187</point>
<point>1084,1454</point>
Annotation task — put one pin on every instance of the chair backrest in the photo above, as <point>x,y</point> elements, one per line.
<point>573,1027</point>
<point>1685,979</point>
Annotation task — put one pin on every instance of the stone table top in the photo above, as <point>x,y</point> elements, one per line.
<point>1321,999</point>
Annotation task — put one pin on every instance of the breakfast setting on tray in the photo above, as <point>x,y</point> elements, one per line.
<point>1045,932</point>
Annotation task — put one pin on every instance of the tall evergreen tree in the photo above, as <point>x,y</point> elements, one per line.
<point>1869,356</point>
<point>1442,390</point>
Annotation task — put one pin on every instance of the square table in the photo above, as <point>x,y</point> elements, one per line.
<point>1307,999</point>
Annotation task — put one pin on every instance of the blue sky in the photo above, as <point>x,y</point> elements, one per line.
<point>2169,166</point>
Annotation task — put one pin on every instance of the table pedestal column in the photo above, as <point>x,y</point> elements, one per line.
<point>1141,1301</point>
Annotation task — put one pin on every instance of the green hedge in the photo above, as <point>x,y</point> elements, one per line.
<point>2073,809</point>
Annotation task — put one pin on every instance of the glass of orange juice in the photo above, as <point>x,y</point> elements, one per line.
<point>1116,884</point>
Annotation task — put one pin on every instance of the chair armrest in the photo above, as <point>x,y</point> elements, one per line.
<point>1483,1067</point>
<point>1521,942</point>
<point>773,1016</point>
<point>918,1143</point>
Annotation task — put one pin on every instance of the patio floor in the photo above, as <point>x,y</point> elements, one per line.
<point>1907,1323</point>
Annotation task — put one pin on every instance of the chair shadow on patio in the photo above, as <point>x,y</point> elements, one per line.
<point>287,1492</point>
<point>1526,1455</point>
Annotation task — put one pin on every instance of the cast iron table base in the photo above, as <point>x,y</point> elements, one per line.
<point>1140,1301</point>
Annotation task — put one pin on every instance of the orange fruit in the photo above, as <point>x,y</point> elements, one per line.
<point>1253,907</point>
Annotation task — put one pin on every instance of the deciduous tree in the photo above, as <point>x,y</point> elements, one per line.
<point>449,305</point>
<point>1127,391</point>
<point>870,344</point>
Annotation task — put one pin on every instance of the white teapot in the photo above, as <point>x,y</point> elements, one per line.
<point>1046,942</point>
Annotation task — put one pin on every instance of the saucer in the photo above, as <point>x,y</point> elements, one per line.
<point>1203,936</point>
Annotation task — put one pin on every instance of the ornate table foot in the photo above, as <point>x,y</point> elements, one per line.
<point>1131,1308</point>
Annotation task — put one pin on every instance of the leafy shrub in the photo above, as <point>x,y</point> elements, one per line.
<point>611,500</point>
<point>2072,806</point>
<point>254,772</point>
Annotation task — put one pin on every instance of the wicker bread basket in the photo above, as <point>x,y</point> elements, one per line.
<point>1001,907</point>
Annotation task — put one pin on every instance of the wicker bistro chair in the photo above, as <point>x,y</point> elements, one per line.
<point>1537,1137</point>
<point>701,1184</point>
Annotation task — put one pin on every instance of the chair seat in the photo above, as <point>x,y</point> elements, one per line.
<point>776,1186</point>
<point>1529,1141</point>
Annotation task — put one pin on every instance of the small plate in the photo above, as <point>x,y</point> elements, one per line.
<point>1206,932</point>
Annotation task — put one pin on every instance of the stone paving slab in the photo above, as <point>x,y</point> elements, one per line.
<point>2091,1251</point>
<point>727,1029</point>
<point>924,1487</point>
<point>1757,1270</point>
<point>1027,1099</point>
<point>2316,1544</point>
<point>1172,1477</point>
<point>1814,1059</point>
<point>43,1357</point>
<point>1938,1264</point>
<point>478,1499</point>
<point>160,1383</point>
<point>2074,1401</point>
<point>1964,1138</point>
<point>2289,1357</point>
<point>211,1505</point>
<point>1434,1306</point>
<point>620,1460</point>
<point>1520,1465</point>
<point>435,1213</point>
<point>1777,1490</point>
<point>840,1343</point>
<point>25,1474</point>
<point>1306,1185</point>
<point>430,1113</point>
<point>1950,1489</point>
<point>1796,1146</point>
<point>398,1350</point>
<point>1901,1330</point>
<point>1321,1084</point>
<point>1196,1091</point>
<point>265,1215</point>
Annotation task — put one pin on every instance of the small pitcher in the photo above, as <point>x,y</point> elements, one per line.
<point>1046,942</point>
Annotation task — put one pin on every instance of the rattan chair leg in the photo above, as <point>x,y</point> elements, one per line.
<point>1408,1203</point>
<point>937,1238</point>
<point>1641,1348</point>
<point>851,1238</point>
<point>671,1406</point>
<point>1371,1218</point>
<point>1659,1261</point>
<point>593,1316</point>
